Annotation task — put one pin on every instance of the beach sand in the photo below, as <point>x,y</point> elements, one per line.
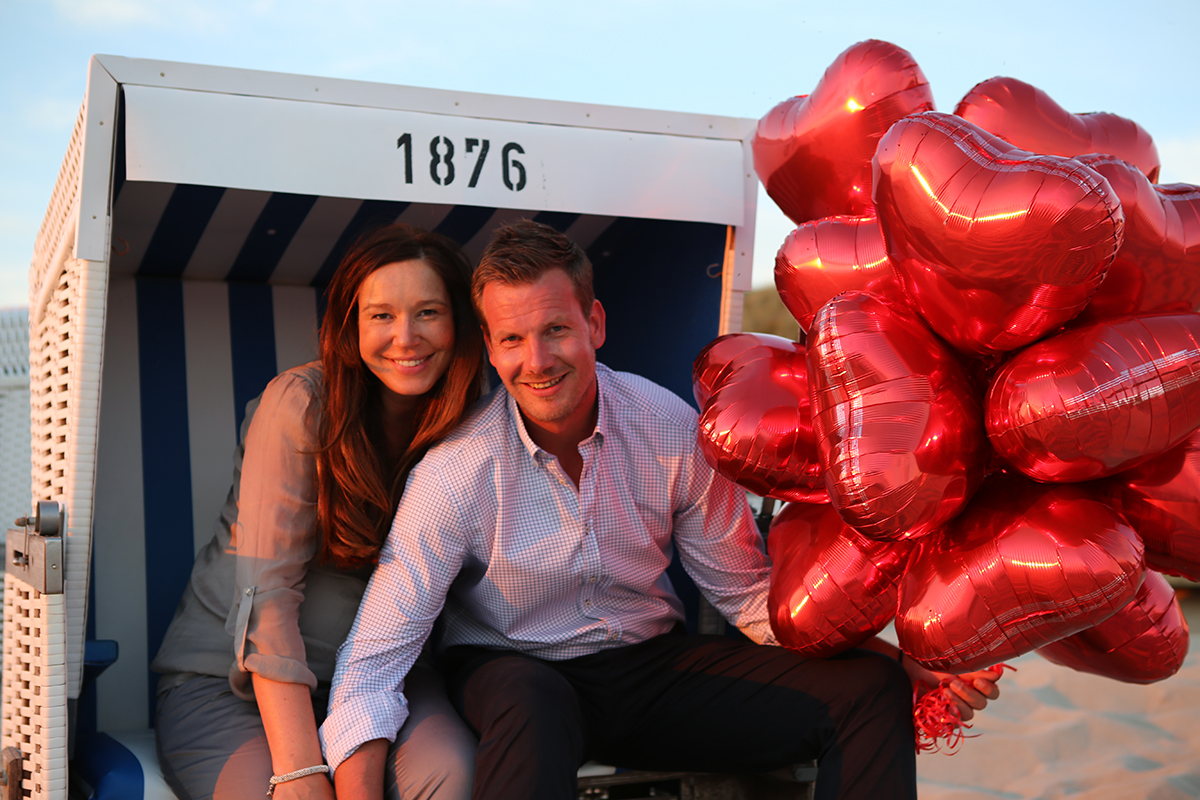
<point>1057,733</point>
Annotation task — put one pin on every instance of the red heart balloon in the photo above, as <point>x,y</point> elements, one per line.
<point>813,152</point>
<point>755,425</point>
<point>1144,642</point>
<point>709,367</point>
<point>1158,265</point>
<point>1026,117</point>
<point>898,423</point>
<point>1160,500</point>
<point>1025,565</point>
<point>831,587</point>
<point>996,246</point>
<point>1096,400</point>
<point>822,259</point>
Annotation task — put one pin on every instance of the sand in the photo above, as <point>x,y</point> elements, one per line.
<point>1057,733</point>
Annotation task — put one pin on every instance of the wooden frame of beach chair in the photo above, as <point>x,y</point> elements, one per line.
<point>198,213</point>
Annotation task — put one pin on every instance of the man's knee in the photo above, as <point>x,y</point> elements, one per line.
<point>879,683</point>
<point>521,696</point>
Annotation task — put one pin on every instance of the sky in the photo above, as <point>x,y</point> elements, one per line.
<point>729,57</point>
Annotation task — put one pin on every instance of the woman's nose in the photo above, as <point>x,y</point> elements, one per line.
<point>405,332</point>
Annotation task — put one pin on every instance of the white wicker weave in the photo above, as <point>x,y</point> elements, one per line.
<point>35,687</point>
<point>43,652</point>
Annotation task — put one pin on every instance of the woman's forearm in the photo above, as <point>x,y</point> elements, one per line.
<point>291,727</point>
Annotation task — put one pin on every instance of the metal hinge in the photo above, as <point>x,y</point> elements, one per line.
<point>34,551</point>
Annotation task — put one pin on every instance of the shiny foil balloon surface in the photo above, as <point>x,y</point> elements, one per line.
<point>1158,265</point>
<point>755,424</point>
<point>1161,500</point>
<point>1025,565</point>
<point>1026,117</point>
<point>995,246</point>
<point>714,360</point>
<point>898,423</point>
<point>813,152</point>
<point>822,259</point>
<point>831,587</point>
<point>1099,399</point>
<point>1144,642</point>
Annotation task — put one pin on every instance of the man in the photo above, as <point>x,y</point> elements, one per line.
<point>545,524</point>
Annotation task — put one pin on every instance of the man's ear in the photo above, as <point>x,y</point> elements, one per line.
<point>596,324</point>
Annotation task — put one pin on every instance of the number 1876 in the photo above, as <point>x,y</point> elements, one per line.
<point>441,161</point>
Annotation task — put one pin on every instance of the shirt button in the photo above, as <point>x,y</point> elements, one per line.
<point>587,603</point>
<point>592,579</point>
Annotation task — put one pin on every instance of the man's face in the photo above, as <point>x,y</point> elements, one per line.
<point>543,345</point>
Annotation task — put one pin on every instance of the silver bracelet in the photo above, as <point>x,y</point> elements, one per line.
<point>291,776</point>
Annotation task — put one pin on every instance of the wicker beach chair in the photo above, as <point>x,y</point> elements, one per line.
<point>198,214</point>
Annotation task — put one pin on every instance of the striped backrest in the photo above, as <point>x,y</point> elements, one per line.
<point>213,291</point>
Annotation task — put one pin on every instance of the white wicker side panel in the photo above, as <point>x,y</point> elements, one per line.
<point>43,634</point>
<point>65,350</point>
<point>58,222</point>
<point>35,687</point>
<point>66,323</point>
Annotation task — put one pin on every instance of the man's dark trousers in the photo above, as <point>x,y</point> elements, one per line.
<point>690,703</point>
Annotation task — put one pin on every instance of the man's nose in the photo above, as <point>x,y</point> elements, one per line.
<point>540,358</point>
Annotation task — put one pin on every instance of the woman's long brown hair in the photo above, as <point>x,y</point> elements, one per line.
<point>357,493</point>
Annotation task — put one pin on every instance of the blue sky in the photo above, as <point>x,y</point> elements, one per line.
<point>733,58</point>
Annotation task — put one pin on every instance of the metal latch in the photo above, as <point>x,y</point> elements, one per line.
<point>34,551</point>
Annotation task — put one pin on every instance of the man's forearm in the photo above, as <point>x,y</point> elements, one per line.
<point>361,774</point>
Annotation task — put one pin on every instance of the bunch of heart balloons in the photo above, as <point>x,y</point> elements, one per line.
<point>989,429</point>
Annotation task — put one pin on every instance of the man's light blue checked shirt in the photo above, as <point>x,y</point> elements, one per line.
<point>491,526</point>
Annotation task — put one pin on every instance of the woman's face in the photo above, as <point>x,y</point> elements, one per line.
<point>405,327</point>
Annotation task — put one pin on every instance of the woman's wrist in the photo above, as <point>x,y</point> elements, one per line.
<point>318,769</point>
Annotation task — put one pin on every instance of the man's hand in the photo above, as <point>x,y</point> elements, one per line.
<point>360,776</point>
<point>970,691</point>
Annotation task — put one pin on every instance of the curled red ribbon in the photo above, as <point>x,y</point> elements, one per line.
<point>936,717</point>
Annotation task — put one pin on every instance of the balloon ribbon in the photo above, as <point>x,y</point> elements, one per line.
<point>935,716</point>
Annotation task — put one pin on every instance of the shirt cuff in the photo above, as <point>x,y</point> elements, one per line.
<point>357,720</point>
<point>266,618</point>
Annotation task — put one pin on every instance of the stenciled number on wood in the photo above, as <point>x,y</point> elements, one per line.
<point>441,161</point>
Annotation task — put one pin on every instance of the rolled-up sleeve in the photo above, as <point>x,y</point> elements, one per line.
<point>275,536</point>
<point>424,552</point>
<point>721,549</point>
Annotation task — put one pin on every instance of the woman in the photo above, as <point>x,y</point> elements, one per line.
<point>326,450</point>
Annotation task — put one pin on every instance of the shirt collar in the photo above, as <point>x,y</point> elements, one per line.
<point>603,377</point>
